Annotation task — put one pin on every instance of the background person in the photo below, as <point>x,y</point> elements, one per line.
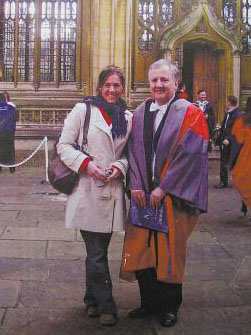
<point>8,118</point>
<point>7,97</point>
<point>231,113</point>
<point>241,156</point>
<point>208,111</point>
<point>168,161</point>
<point>97,206</point>
<point>182,91</point>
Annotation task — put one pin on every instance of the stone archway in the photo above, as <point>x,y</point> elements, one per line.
<point>213,54</point>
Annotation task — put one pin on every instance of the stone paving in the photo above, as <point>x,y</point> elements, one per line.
<point>42,267</point>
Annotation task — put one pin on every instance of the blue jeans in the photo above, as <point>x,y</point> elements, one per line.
<point>98,280</point>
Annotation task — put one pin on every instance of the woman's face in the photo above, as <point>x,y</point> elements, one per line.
<point>112,89</point>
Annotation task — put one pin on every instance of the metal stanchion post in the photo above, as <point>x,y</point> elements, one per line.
<point>46,152</point>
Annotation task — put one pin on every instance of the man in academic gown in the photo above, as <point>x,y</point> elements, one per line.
<point>168,160</point>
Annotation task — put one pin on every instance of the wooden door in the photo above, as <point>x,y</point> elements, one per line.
<point>206,73</point>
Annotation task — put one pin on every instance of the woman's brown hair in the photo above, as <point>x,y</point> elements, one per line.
<point>107,72</point>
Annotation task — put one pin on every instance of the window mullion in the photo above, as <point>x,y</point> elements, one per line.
<point>239,16</point>
<point>78,46</point>
<point>58,51</point>
<point>16,44</point>
<point>37,46</point>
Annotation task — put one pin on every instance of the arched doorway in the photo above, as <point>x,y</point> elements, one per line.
<point>200,69</point>
<point>203,65</point>
<point>208,56</point>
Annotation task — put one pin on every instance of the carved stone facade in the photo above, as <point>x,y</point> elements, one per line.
<point>52,51</point>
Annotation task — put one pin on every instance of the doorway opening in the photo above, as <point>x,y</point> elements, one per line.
<point>199,67</point>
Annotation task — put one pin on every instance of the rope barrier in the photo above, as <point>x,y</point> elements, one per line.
<point>45,142</point>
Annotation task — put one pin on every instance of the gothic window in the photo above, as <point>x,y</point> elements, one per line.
<point>166,9</point>
<point>153,17</point>
<point>246,13</point>
<point>49,36</point>
<point>48,26</point>
<point>26,38</point>
<point>246,43</point>
<point>246,19</point>
<point>7,40</point>
<point>229,12</point>
<point>67,40</point>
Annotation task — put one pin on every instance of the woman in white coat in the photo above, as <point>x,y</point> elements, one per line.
<point>97,205</point>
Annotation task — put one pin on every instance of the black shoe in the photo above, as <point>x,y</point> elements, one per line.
<point>139,313</point>
<point>168,319</point>
<point>221,185</point>
<point>12,170</point>
<point>92,312</point>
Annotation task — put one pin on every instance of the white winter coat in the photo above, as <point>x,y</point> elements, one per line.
<point>94,205</point>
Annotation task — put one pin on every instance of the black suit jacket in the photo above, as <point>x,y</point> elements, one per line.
<point>226,127</point>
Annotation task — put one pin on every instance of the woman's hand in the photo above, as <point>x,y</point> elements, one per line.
<point>116,173</point>
<point>156,196</point>
<point>95,172</point>
<point>139,196</point>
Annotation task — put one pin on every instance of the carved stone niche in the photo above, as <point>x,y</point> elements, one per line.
<point>201,27</point>
<point>186,6</point>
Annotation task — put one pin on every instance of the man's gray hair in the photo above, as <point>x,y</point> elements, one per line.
<point>165,62</point>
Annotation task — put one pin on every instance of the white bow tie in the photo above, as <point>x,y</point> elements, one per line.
<point>154,107</point>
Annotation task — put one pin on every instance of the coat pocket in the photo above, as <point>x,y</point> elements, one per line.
<point>103,189</point>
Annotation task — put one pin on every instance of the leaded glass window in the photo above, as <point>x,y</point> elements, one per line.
<point>7,39</point>
<point>51,25</point>
<point>153,16</point>
<point>229,12</point>
<point>166,12</point>
<point>246,43</point>
<point>246,13</point>
<point>67,40</point>
<point>246,19</point>
<point>26,39</point>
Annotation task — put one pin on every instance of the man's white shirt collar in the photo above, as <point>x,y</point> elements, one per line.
<point>155,106</point>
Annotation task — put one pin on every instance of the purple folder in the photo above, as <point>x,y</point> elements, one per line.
<point>148,217</point>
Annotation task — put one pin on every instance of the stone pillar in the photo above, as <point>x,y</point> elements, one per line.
<point>111,37</point>
<point>236,73</point>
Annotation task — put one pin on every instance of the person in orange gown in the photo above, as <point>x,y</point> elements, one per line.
<point>241,156</point>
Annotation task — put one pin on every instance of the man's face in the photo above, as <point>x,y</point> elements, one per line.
<point>228,106</point>
<point>202,96</point>
<point>162,84</point>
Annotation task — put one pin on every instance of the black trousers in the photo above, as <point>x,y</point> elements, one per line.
<point>7,148</point>
<point>158,296</point>
<point>98,281</point>
<point>224,159</point>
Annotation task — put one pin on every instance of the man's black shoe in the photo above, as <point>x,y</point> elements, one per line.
<point>221,185</point>
<point>168,320</point>
<point>139,313</point>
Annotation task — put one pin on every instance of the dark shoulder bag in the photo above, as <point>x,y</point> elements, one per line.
<point>61,177</point>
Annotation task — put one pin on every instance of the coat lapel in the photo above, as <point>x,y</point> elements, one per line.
<point>99,122</point>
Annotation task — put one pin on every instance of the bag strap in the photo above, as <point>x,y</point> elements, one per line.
<point>86,123</point>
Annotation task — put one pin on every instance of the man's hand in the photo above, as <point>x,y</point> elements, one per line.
<point>156,196</point>
<point>139,196</point>
<point>95,172</point>
<point>226,142</point>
